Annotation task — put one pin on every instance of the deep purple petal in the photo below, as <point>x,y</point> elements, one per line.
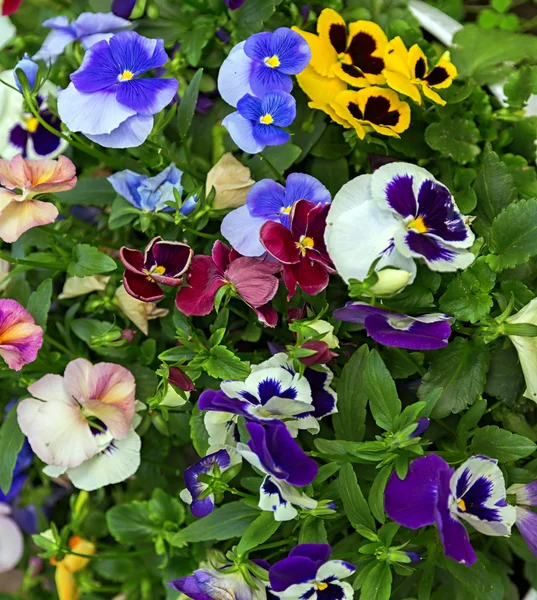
<point>137,54</point>
<point>219,402</point>
<point>189,587</point>
<point>234,4</point>
<point>269,135</point>
<point>400,196</point>
<point>147,96</point>
<point>317,552</point>
<point>419,336</point>
<point>18,137</point>
<point>98,70</point>
<point>173,256</point>
<point>123,8</point>
<point>411,502</point>
<point>357,312</point>
<point>45,142</point>
<point>290,571</point>
<point>428,247</point>
<point>141,287</point>
<point>16,487</point>
<point>204,465</point>
<point>422,425</point>
<point>526,521</point>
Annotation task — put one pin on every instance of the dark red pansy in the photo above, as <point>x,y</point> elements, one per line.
<point>10,6</point>
<point>301,248</point>
<point>162,263</point>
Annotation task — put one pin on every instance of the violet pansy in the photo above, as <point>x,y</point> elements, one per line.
<point>526,519</point>
<point>426,332</point>
<point>398,214</point>
<point>268,200</point>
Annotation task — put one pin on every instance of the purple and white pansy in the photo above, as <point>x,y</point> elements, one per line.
<point>308,573</point>
<point>211,465</point>
<point>434,493</point>
<point>426,332</point>
<point>526,519</point>
<point>108,101</point>
<point>398,214</point>
<point>268,200</point>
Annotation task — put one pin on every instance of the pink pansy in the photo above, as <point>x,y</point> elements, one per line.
<point>20,337</point>
<point>253,279</point>
<point>67,415</point>
<point>23,179</point>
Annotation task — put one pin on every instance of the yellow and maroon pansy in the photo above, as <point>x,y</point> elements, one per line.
<point>372,108</point>
<point>407,72</point>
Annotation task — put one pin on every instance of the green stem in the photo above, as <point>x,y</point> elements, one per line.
<point>209,236</point>
<point>277,174</point>
<point>274,544</point>
<point>105,556</point>
<point>58,345</point>
<point>30,263</point>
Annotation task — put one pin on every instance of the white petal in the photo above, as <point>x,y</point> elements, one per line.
<point>298,591</point>
<point>337,569</point>
<point>130,133</point>
<point>234,75</point>
<point>11,544</point>
<point>507,514</point>
<point>308,423</point>
<point>7,31</point>
<point>50,387</point>
<point>272,500</point>
<point>250,456</point>
<point>279,408</point>
<point>278,360</point>
<point>352,194</point>
<point>241,132</point>
<point>221,427</point>
<point>186,496</point>
<point>53,471</point>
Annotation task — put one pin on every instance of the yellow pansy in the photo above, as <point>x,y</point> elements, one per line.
<point>407,71</point>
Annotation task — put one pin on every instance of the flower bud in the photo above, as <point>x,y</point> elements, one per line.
<point>323,327</point>
<point>29,68</point>
<point>390,281</point>
<point>189,206</point>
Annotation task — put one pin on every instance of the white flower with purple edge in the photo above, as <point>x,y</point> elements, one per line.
<point>398,214</point>
<point>526,519</point>
<point>308,573</point>
<point>268,200</point>
<point>106,99</point>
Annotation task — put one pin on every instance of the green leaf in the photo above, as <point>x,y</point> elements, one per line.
<point>198,433</point>
<point>39,303</point>
<point>251,17</point>
<point>223,364</point>
<point>495,190</point>
<point>130,523</point>
<point>312,531</point>
<point>91,191</point>
<point>349,421</point>
<point>468,295</point>
<point>477,579</point>
<point>460,370</point>
<point>501,444</point>
<point>419,295</point>
<point>505,379</point>
<point>11,440</point>
<point>258,532</point>
<point>281,158</point>
<point>376,494</point>
<point>122,213</point>
<point>224,523</point>
<point>332,173</point>
<point>520,85</point>
<point>187,107</point>
<point>454,138</point>
<point>87,260</point>
<point>380,388</point>
<point>356,508</point>
<point>164,508</point>
<point>378,583</point>
<point>331,144</point>
<point>524,175</point>
<point>196,37</point>
<point>470,419</point>
<point>513,235</point>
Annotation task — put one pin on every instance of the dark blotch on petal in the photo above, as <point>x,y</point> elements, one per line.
<point>420,69</point>
<point>360,49</point>
<point>18,136</point>
<point>436,76</point>
<point>355,111</point>
<point>377,111</point>
<point>338,37</point>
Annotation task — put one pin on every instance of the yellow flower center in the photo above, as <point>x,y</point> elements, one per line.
<point>344,58</point>
<point>158,270</point>
<point>304,244</point>
<point>32,124</point>
<point>418,224</point>
<point>266,119</point>
<point>272,62</point>
<point>126,76</point>
<point>286,210</point>
<point>462,505</point>
<point>320,585</point>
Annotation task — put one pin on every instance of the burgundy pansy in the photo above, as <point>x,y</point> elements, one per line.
<point>162,263</point>
<point>301,248</point>
<point>253,279</point>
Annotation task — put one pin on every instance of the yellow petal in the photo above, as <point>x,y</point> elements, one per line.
<point>366,49</point>
<point>396,57</point>
<point>331,113</point>
<point>450,69</point>
<point>332,29</point>
<point>415,55</point>
<point>18,217</point>
<point>76,563</point>
<point>323,55</point>
<point>66,584</point>
<point>351,75</point>
<point>402,84</point>
<point>432,95</point>
<point>395,104</point>
<point>341,107</point>
<point>319,89</point>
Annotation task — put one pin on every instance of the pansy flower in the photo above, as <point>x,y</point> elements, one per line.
<point>252,279</point>
<point>408,72</point>
<point>88,28</point>
<point>526,519</point>
<point>275,453</point>
<point>268,200</point>
<point>355,56</point>
<point>201,507</point>
<point>66,569</point>
<point>108,101</point>
<point>434,493</point>
<point>308,572</point>
<point>162,263</point>
<point>123,8</point>
<point>19,211</point>
<point>148,193</point>
<point>398,214</point>
<point>263,63</point>
<point>301,248</point>
<point>258,122</point>
<point>20,337</point>
<point>12,547</point>
<point>426,332</point>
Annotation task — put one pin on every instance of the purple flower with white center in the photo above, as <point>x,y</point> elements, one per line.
<point>426,332</point>
<point>108,101</point>
<point>88,28</point>
<point>434,493</point>
<point>29,68</point>
<point>263,63</point>
<point>212,465</point>
<point>308,573</point>
<point>526,519</point>
<point>268,200</point>
<point>398,214</point>
<point>257,122</point>
<point>123,8</point>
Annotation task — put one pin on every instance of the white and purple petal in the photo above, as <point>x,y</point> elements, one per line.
<point>131,133</point>
<point>147,96</point>
<point>137,54</point>
<point>526,521</point>
<point>234,75</point>
<point>335,570</point>
<point>525,493</point>
<point>281,498</point>
<point>241,131</point>
<point>241,228</point>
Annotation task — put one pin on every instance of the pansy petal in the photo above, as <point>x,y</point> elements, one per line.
<point>54,44</point>
<point>264,79</point>
<point>300,186</point>
<point>19,217</point>
<point>141,287</point>
<point>147,96</point>
<point>137,54</point>
<point>291,571</point>
<point>335,569</point>
<point>269,135</point>
<point>88,23</point>
<point>131,133</point>
<point>98,70</point>
<point>266,199</point>
<point>271,499</point>
<point>526,521</point>
<point>242,133</point>
<point>418,336</point>
<point>234,75</point>
<point>279,242</point>
<point>280,106</point>
<point>203,281</point>
<point>242,229</point>
<point>255,285</point>
<point>525,493</point>
<point>11,543</point>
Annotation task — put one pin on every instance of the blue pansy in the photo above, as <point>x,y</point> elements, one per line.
<point>263,63</point>
<point>108,101</point>
<point>148,193</point>
<point>29,68</point>
<point>88,28</point>
<point>257,122</point>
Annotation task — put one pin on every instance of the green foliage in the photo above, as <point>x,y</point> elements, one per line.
<point>188,102</point>
<point>356,508</point>
<point>501,444</point>
<point>39,303</point>
<point>87,260</point>
<point>380,388</point>
<point>454,138</point>
<point>11,440</point>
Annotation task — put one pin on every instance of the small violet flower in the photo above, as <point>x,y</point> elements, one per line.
<point>426,332</point>
<point>20,212</point>
<point>209,465</point>
<point>148,193</point>
<point>268,200</point>
<point>309,573</point>
<point>29,68</point>
<point>108,101</point>
<point>263,63</point>
<point>301,248</point>
<point>88,28</point>
<point>162,262</point>
<point>252,279</point>
<point>434,493</point>
<point>233,4</point>
<point>526,519</point>
<point>257,122</point>
<point>20,337</point>
<point>123,8</point>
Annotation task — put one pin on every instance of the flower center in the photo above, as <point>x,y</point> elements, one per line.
<point>126,76</point>
<point>32,124</point>
<point>418,224</point>
<point>286,210</point>
<point>344,58</point>
<point>304,244</point>
<point>266,119</point>
<point>321,585</point>
<point>158,270</point>
<point>462,505</point>
<point>272,61</point>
